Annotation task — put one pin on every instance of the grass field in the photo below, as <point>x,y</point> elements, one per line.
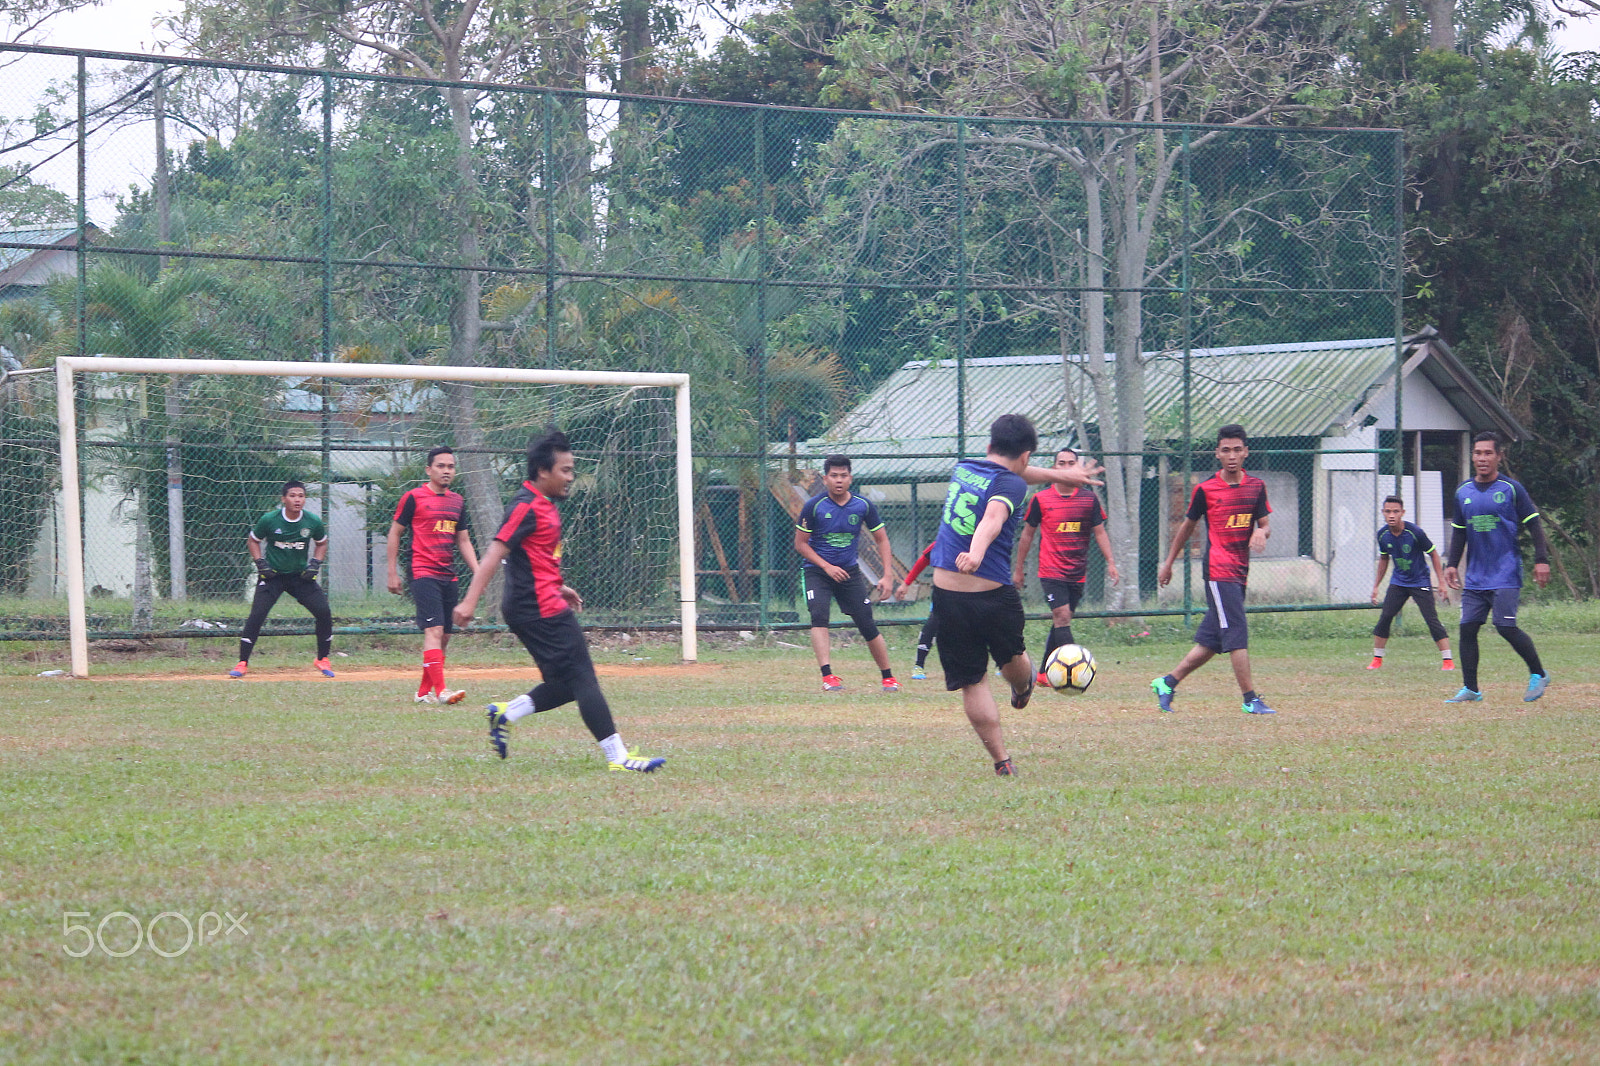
<point>1368,877</point>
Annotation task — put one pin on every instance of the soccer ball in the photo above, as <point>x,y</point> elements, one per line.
<point>1070,669</point>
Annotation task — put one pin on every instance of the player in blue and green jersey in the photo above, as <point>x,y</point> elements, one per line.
<point>979,609</point>
<point>1412,551</point>
<point>288,545</point>
<point>1491,511</point>
<point>825,535</point>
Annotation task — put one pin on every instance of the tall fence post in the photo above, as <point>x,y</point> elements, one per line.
<point>326,355</point>
<point>961,289</point>
<point>763,420</point>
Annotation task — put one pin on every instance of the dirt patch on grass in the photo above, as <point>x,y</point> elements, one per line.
<point>456,673</point>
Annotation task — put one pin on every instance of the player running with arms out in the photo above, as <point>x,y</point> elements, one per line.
<point>436,517</point>
<point>825,536</point>
<point>540,609</point>
<point>288,545</point>
<point>1408,546</point>
<point>1066,519</point>
<point>979,609</point>
<point>1235,509</point>
<point>1490,511</point>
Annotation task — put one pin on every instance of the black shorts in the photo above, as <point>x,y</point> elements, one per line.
<point>435,599</point>
<point>1224,628</point>
<point>975,626</point>
<point>557,645</point>
<point>1396,598</point>
<point>1059,593</point>
<point>855,599</point>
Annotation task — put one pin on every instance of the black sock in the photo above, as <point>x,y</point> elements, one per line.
<point>827,669</point>
<point>1248,696</point>
<point>887,674</point>
<point>1171,681</point>
<point>1467,645</point>
<point>1522,644</point>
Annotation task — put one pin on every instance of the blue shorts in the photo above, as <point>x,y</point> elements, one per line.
<point>1478,605</point>
<point>1224,627</point>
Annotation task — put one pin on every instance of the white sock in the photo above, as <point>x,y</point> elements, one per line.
<point>1377,653</point>
<point>613,747</point>
<point>520,707</point>
<point>1445,654</point>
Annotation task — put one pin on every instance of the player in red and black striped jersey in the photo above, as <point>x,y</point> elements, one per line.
<point>1066,521</point>
<point>1235,509</point>
<point>539,607</point>
<point>436,518</point>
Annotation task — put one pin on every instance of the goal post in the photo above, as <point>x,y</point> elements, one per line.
<point>68,367</point>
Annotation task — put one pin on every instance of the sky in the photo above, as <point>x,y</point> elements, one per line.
<point>128,26</point>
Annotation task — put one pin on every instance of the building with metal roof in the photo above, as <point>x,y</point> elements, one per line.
<point>907,428</point>
<point>31,258</point>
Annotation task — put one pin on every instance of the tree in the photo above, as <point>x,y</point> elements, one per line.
<point>1118,63</point>
<point>126,315</point>
<point>471,41</point>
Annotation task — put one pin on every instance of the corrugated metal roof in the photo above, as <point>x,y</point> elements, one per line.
<point>1276,390</point>
<point>52,236</point>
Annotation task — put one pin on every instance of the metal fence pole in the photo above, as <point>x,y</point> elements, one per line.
<point>1188,375</point>
<point>546,175</point>
<point>326,355</point>
<point>763,429</point>
<point>961,289</point>
<point>1399,321</point>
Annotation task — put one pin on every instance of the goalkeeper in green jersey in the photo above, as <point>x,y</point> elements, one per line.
<point>288,545</point>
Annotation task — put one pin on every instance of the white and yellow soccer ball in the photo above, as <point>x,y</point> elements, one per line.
<point>1070,669</point>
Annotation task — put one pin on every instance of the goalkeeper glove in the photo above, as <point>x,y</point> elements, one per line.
<point>312,568</point>
<point>264,571</point>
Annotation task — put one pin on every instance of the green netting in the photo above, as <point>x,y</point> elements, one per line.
<point>882,285</point>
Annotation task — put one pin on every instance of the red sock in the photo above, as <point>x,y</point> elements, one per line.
<point>433,670</point>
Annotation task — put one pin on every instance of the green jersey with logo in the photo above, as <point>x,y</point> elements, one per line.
<point>287,544</point>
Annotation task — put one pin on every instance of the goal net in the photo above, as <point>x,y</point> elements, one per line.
<point>166,464</point>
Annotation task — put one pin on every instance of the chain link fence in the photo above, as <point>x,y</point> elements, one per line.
<point>877,285</point>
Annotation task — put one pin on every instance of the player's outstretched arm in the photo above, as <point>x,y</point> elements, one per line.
<point>462,615</point>
<point>1087,472</point>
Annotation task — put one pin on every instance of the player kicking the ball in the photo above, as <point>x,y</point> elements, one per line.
<point>288,545</point>
<point>437,520</point>
<point>540,609</point>
<point>979,609</point>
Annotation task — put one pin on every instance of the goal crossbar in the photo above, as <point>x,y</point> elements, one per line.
<point>72,513</point>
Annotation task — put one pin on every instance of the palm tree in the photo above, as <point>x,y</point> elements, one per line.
<point>129,316</point>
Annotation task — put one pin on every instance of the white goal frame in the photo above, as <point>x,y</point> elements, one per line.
<point>66,413</point>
